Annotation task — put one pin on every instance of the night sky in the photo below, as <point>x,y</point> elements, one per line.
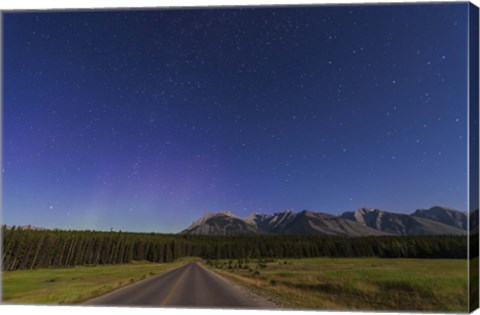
<point>144,120</point>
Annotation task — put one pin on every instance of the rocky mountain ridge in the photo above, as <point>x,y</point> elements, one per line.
<point>362,222</point>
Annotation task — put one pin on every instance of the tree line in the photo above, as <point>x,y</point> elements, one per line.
<point>31,249</point>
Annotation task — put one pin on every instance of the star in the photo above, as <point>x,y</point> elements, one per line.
<point>119,118</point>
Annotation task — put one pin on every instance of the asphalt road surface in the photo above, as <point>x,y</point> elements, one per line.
<point>188,286</point>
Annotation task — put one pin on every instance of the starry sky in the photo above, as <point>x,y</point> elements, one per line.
<point>143,120</point>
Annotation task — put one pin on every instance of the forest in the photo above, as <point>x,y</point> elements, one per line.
<point>31,249</point>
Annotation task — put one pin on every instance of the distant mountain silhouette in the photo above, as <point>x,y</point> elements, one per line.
<point>444,215</point>
<point>221,223</point>
<point>362,222</point>
<point>421,222</point>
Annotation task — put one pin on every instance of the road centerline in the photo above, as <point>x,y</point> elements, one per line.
<point>189,285</point>
<point>175,286</point>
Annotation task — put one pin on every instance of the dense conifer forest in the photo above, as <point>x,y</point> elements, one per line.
<point>31,249</point>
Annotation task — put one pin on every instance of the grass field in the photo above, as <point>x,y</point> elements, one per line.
<point>74,285</point>
<point>315,283</point>
<point>355,283</point>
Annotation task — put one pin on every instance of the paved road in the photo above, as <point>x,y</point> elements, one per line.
<point>188,286</point>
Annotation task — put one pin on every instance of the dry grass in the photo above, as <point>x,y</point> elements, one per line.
<point>356,283</point>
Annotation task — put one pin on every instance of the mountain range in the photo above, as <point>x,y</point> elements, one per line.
<point>362,222</point>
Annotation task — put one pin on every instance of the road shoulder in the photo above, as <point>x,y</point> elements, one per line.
<point>255,295</point>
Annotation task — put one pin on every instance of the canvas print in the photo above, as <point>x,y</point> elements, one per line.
<point>317,157</point>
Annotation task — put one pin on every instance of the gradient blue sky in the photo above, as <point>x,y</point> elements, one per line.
<point>144,120</point>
